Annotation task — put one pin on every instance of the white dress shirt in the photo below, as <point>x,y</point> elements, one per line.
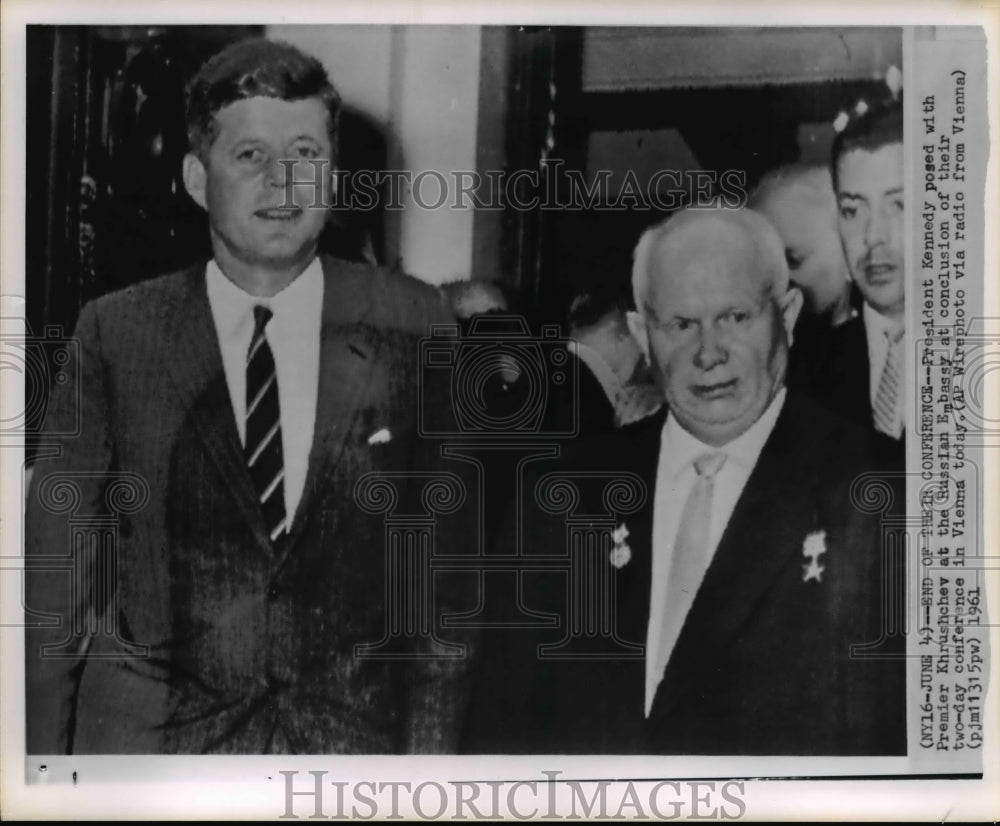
<point>675,476</point>
<point>293,334</point>
<point>878,329</point>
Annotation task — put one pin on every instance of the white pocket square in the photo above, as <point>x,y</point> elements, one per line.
<point>380,437</point>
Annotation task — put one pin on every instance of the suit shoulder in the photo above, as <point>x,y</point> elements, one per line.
<point>152,289</point>
<point>397,300</point>
<point>838,445</point>
<point>820,425</point>
<point>140,304</point>
<point>818,346</point>
<point>417,298</point>
<point>634,447</point>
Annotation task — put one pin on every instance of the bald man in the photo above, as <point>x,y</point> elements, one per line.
<point>740,583</point>
<point>799,200</point>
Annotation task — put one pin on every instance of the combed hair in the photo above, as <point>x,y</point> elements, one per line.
<point>881,125</point>
<point>254,68</point>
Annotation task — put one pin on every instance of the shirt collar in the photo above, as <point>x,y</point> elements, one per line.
<point>679,448</point>
<point>878,326</point>
<point>232,305</point>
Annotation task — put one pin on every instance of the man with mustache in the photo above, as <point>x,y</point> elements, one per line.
<point>858,370</point>
<point>729,609</point>
<point>239,404</point>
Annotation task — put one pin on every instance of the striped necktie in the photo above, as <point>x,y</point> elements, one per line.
<point>263,428</point>
<point>886,407</point>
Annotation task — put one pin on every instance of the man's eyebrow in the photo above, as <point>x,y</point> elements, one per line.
<point>896,190</point>
<point>659,321</point>
<point>247,140</point>
<point>854,196</point>
<point>657,318</point>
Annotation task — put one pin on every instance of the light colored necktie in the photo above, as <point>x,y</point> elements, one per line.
<point>690,557</point>
<point>263,428</point>
<point>886,406</point>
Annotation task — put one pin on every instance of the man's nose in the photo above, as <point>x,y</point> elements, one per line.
<point>711,350</point>
<point>877,228</point>
<point>275,173</point>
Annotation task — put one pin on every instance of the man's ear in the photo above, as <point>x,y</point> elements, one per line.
<point>637,327</point>
<point>194,179</point>
<point>791,305</point>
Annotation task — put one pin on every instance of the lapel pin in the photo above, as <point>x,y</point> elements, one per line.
<point>812,548</point>
<point>380,437</point>
<point>621,553</point>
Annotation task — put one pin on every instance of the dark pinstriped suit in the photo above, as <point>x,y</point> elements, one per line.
<point>250,649</point>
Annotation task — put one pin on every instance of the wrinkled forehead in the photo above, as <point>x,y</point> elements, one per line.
<point>706,255</point>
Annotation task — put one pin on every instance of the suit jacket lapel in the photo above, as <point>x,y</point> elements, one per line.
<point>195,365</point>
<point>852,370</point>
<point>762,533</point>
<point>634,579</point>
<point>345,365</point>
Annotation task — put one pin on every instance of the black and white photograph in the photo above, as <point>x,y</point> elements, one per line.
<point>487,419</point>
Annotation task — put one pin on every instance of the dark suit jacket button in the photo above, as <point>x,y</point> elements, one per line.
<point>273,592</point>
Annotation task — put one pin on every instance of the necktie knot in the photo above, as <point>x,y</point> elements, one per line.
<point>261,315</point>
<point>708,464</point>
<point>895,333</point>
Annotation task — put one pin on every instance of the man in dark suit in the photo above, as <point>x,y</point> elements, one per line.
<point>857,369</point>
<point>230,415</point>
<point>719,589</point>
